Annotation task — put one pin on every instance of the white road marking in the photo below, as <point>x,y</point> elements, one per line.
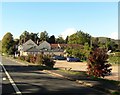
<point>11,80</point>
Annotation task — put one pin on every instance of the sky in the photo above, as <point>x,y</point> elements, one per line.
<point>99,19</point>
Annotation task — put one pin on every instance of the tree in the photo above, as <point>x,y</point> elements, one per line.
<point>8,44</point>
<point>76,52</point>
<point>95,43</point>
<point>60,40</point>
<point>52,39</point>
<point>97,63</point>
<point>24,37</point>
<point>87,49</point>
<point>34,37</point>
<point>79,38</point>
<point>44,36</point>
<point>16,43</point>
<point>66,40</point>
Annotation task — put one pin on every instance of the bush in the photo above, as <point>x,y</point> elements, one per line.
<point>97,64</point>
<point>47,61</point>
<point>27,58</point>
<point>32,58</point>
<point>21,58</point>
<point>39,59</point>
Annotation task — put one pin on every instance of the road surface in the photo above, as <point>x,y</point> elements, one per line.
<point>20,79</point>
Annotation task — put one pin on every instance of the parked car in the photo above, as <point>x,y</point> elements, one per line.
<point>73,59</point>
<point>59,58</point>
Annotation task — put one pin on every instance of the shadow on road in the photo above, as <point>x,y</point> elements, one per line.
<point>19,68</point>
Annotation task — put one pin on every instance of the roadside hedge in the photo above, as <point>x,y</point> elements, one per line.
<point>40,59</point>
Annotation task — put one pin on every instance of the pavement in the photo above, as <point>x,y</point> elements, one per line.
<point>26,79</point>
<point>100,85</point>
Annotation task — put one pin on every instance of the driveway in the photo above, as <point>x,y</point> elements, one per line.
<point>82,66</point>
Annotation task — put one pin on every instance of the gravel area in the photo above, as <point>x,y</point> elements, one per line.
<point>81,66</point>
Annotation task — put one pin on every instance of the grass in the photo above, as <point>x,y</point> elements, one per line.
<point>73,72</point>
<point>92,77</point>
<point>114,58</point>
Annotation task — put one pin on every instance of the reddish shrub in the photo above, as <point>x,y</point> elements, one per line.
<point>97,63</point>
<point>32,58</point>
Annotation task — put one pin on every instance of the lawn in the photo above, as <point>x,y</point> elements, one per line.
<point>114,58</point>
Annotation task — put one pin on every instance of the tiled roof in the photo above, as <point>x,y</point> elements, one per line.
<point>54,45</point>
<point>66,45</point>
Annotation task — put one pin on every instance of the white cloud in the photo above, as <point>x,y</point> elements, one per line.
<point>68,32</point>
<point>114,35</point>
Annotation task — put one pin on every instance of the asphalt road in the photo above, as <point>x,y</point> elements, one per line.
<point>31,80</point>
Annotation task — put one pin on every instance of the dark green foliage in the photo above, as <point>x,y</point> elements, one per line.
<point>44,36</point>
<point>47,61</point>
<point>26,36</point>
<point>8,44</point>
<point>66,40</point>
<point>97,64</point>
<point>34,37</point>
<point>52,39</point>
<point>104,42</point>
<point>60,40</point>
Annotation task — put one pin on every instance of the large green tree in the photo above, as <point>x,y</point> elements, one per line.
<point>44,36</point>
<point>79,38</point>
<point>34,37</point>
<point>24,37</point>
<point>8,44</point>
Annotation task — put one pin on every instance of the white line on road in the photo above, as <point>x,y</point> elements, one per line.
<point>11,80</point>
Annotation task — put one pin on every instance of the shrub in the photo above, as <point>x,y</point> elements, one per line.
<point>21,58</point>
<point>97,64</point>
<point>27,58</point>
<point>47,61</point>
<point>39,59</point>
<point>32,58</point>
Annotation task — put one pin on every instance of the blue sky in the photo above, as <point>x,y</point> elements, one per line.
<point>97,19</point>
